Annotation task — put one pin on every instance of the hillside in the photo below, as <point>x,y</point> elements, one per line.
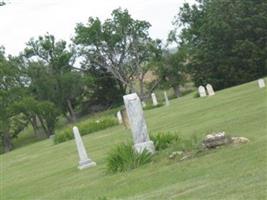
<point>45,171</point>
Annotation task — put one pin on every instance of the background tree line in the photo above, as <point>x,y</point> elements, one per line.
<point>220,42</point>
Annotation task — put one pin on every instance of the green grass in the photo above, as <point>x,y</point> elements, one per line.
<point>49,172</point>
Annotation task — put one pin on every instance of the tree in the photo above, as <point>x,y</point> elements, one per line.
<point>35,111</point>
<point>120,45</point>
<point>172,71</point>
<point>11,90</point>
<point>53,76</point>
<point>2,3</point>
<point>226,40</point>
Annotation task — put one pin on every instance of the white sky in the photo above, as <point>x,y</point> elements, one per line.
<point>22,19</point>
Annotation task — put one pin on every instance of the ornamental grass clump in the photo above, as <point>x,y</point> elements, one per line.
<point>124,158</point>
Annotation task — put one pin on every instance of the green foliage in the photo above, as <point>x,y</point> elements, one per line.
<point>164,140</point>
<point>239,110</point>
<point>225,41</point>
<point>150,106</point>
<point>124,158</point>
<point>121,45</point>
<point>172,71</point>
<point>85,128</point>
<point>11,90</point>
<point>52,75</point>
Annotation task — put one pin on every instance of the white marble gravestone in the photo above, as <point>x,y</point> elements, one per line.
<point>201,91</point>
<point>119,117</point>
<point>137,123</point>
<point>261,83</point>
<point>167,103</point>
<point>210,90</point>
<point>84,162</point>
<point>154,99</point>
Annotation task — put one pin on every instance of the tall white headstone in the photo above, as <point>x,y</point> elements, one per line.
<point>119,117</point>
<point>137,123</point>
<point>166,99</point>
<point>201,91</point>
<point>261,83</point>
<point>210,90</point>
<point>154,99</point>
<point>84,162</point>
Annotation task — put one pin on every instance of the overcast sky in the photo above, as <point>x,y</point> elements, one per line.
<point>22,19</point>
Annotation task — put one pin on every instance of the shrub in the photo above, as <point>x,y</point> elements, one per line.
<point>164,140</point>
<point>85,128</point>
<point>124,158</point>
<point>149,107</point>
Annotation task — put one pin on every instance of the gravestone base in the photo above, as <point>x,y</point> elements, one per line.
<point>86,164</point>
<point>149,146</point>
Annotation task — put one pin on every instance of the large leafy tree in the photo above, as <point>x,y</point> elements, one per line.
<point>121,45</point>
<point>172,71</point>
<point>53,76</point>
<point>11,90</point>
<point>226,40</point>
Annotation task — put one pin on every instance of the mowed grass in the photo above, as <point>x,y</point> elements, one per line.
<point>47,171</point>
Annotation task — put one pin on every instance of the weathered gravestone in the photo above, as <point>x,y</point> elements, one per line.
<point>119,117</point>
<point>166,99</point>
<point>154,99</point>
<point>261,83</point>
<point>137,123</point>
<point>201,91</point>
<point>84,162</point>
<point>210,90</point>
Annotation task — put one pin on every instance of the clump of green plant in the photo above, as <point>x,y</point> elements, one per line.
<point>150,106</point>
<point>124,158</point>
<point>85,128</point>
<point>188,144</point>
<point>164,140</point>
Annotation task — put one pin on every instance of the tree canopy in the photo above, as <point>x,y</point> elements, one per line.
<point>226,40</point>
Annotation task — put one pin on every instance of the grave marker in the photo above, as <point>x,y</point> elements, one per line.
<point>201,91</point>
<point>137,123</point>
<point>261,83</point>
<point>84,162</point>
<point>167,103</point>
<point>154,99</point>
<point>210,90</point>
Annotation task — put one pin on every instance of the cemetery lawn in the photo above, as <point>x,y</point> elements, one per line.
<point>45,171</point>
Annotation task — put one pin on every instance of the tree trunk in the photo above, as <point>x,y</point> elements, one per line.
<point>33,121</point>
<point>71,111</point>
<point>44,127</point>
<point>141,95</point>
<point>7,143</point>
<point>177,90</point>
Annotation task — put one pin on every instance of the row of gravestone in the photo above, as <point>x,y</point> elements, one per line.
<point>210,92</point>
<point>135,115</point>
<point>202,90</point>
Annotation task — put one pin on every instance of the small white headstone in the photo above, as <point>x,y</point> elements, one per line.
<point>261,83</point>
<point>210,90</point>
<point>201,91</point>
<point>143,104</point>
<point>119,117</point>
<point>154,99</point>
<point>137,123</point>
<point>84,162</point>
<point>167,103</point>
